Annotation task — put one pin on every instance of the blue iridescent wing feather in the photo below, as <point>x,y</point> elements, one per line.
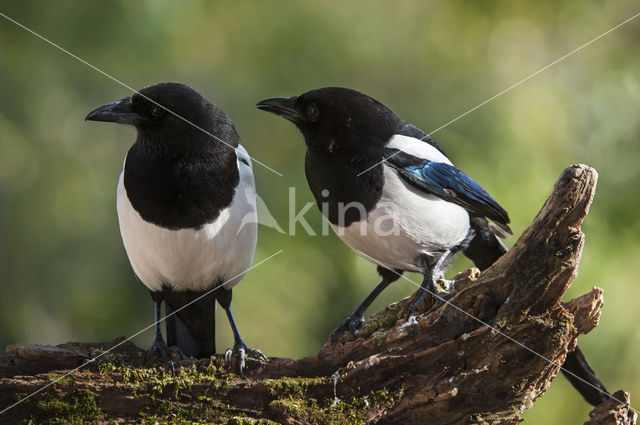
<point>448,183</point>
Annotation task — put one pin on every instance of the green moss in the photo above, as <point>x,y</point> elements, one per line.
<point>61,379</point>
<point>291,399</point>
<point>157,385</point>
<point>159,381</point>
<point>172,413</point>
<point>306,410</point>
<point>237,420</point>
<point>352,410</point>
<point>108,362</point>
<point>294,387</point>
<point>168,391</point>
<point>384,319</point>
<point>380,339</point>
<point>74,409</point>
<point>188,396</point>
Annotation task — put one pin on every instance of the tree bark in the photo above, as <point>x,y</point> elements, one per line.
<point>484,357</point>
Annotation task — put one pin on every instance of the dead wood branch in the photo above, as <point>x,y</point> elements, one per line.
<point>445,367</point>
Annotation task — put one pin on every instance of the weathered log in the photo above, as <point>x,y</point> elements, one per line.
<point>612,412</point>
<point>483,357</point>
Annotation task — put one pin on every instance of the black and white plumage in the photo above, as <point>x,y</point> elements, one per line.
<point>392,195</point>
<point>387,189</point>
<point>181,199</point>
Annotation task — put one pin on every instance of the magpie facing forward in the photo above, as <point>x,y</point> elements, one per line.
<point>181,199</point>
<point>393,196</point>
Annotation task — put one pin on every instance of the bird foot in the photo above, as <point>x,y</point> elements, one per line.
<point>241,350</point>
<point>436,301</point>
<point>158,347</point>
<point>168,354</point>
<point>350,324</point>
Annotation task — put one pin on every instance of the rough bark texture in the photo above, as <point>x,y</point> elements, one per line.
<point>445,366</point>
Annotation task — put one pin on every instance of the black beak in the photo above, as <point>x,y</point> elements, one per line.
<point>282,106</point>
<point>119,112</point>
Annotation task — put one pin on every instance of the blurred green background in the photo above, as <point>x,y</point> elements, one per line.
<point>64,274</point>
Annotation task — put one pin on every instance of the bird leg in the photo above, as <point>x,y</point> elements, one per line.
<point>158,346</point>
<point>239,349</point>
<point>429,286</point>
<point>356,319</point>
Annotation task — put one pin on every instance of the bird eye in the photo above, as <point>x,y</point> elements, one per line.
<point>157,111</point>
<point>312,112</point>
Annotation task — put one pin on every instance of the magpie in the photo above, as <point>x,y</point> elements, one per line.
<point>186,186</point>
<point>393,196</point>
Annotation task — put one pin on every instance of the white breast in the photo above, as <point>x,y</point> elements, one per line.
<point>405,224</point>
<point>189,259</point>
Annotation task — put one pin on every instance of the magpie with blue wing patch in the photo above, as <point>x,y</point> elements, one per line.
<point>393,196</point>
<point>181,199</point>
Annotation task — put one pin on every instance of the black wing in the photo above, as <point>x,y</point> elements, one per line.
<point>448,183</point>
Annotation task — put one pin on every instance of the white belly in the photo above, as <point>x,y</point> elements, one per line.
<point>405,225</point>
<point>189,259</point>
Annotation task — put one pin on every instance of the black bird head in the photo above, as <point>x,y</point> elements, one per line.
<point>170,113</point>
<point>337,119</point>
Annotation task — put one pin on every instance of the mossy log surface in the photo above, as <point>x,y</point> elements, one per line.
<point>444,366</point>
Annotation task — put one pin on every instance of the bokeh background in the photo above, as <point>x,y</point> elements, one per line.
<point>64,274</point>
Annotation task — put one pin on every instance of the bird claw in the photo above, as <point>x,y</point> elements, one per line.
<point>158,347</point>
<point>254,352</point>
<point>350,324</point>
<point>241,351</point>
<point>437,301</point>
<point>169,354</point>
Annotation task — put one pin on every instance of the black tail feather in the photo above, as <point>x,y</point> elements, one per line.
<point>191,329</point>
<point>577,371</point>
<point>484,249</point>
